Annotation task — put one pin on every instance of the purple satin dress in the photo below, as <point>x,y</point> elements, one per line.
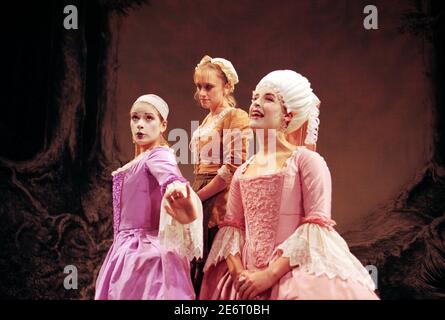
<point>137,266</point>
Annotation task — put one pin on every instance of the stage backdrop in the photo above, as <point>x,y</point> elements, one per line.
<point>66,95</point>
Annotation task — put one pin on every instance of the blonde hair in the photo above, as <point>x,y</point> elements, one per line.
<point>206,66</point>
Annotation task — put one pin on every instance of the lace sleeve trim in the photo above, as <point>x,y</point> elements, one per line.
<point>228,241</point>
<point>318,250</point>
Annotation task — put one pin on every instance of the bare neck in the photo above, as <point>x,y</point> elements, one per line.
<point>215,110</point>
<point>143,148</point>
<point>273,142</point>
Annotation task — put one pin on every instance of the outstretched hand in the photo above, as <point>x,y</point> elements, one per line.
<point>180,204</point>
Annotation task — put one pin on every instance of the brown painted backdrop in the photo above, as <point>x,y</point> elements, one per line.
<point>375,111</point>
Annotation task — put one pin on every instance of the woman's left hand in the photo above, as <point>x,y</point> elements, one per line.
<point>180,204</point>
<point>252,284</point>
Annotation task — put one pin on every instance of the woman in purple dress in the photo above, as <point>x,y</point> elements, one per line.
<point>157,218</point>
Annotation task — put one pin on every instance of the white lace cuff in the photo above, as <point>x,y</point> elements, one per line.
<point>225,174</point>
<point>184,239</point>
<point>228,241</point>
<point>318,250</point>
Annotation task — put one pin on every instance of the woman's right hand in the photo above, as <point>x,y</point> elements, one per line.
<point>180,204</point>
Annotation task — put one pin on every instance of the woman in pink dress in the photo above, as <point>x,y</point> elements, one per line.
<point>277,240</point>
<point>157,218</point>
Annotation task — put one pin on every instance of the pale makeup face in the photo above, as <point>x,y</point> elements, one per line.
<point>146,124</point>
<point>266,111</point>
<point>210,89</point>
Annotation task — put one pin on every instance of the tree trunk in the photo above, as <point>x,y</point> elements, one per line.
<point>56,205</point>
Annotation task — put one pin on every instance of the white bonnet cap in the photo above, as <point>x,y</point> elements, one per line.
<point>156,102</point>
<point>296,94</point>
<point>226,66</point>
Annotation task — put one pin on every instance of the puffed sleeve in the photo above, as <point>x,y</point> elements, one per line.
<point>230,237</point>
<point>236,135</point>
<point>161,163</point>
<point>315,246</point>
<point>184,239</point>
